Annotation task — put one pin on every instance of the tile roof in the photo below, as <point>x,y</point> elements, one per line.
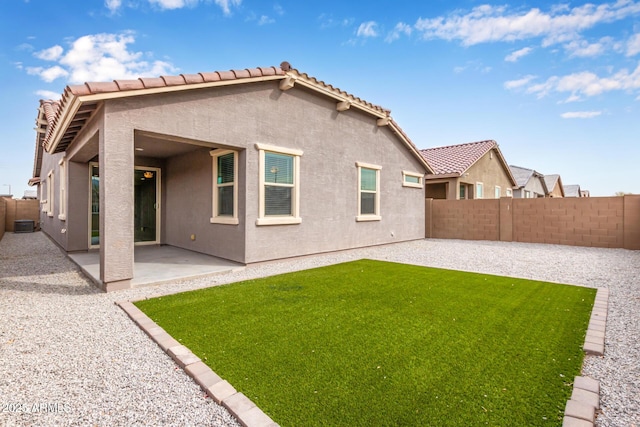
<point>572,191</point>
<point>65,118</point>
<point>551,181</point>
<point>522,175</point>
<point>456,159</point>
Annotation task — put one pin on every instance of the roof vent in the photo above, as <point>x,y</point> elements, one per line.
<point>285,66</point>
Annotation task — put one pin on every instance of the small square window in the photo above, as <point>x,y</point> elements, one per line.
<point>411,179</point>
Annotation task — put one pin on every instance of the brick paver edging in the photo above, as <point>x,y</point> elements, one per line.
<point>585,399</point>
<point>223,393</point>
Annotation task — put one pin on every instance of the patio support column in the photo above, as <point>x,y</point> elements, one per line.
<point>116,205</point>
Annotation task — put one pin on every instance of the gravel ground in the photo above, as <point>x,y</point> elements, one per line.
<point>70,356</point>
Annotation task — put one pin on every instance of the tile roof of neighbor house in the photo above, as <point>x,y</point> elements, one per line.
<point>59,122</point>
<point>571,191</point>
<point>523,175</point>
<point>551,181</point>
<point>457,159</point>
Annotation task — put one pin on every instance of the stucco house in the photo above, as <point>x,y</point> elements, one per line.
<point>247,165</point>
<point>530,183</point>
<point>554,186</point>
<point>475,170</point>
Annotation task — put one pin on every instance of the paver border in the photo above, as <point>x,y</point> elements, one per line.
<point>581,409</point>
<point>240,406</point>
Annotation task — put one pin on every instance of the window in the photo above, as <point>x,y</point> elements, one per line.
<point>225,187</point>
<point>463,191</point>
<point>49,204</point>
<point>368,192</point>
<point>527,195</point>
<point>509,192</point>
<point>411,179</point>
<point>479,190</point>
<point>497,192</point>
<point>62,215</point>
<point>279,185</point>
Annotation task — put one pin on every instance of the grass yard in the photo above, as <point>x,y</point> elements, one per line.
<point>377,343</point>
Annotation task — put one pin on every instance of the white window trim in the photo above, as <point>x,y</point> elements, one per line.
<point>368,217</point>
<point>476,190</point>
<point>509,192</point>
<point>405,174</point>
<point>62,214</point>
<point>295,209</point>
<point>497,191</point>
<point>50,190</point>
<point>215,217</point>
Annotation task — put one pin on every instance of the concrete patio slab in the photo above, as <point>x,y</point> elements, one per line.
<point>159,264</point>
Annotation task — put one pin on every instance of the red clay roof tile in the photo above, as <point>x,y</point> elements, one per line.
<point>78,90</point>
<point>152,82</point>
<point>211,77</point>
<point>102,87</point>
<point>227,75</point>
<point>192,78</point>
<point>173,80</point>
<point>456,159</point>
<point>129,84</point>
<point>241,74</point>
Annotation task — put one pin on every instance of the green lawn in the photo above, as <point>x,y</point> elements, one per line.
<point>376,343</point>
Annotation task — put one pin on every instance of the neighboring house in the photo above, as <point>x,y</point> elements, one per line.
<point>476,170</point>
<point>530,184</point>
<point>247,165</point>
<point>554,186</point>
<point>585,193</point>
<point>572,191</point>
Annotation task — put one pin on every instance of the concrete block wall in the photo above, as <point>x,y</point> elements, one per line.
<point>3,215</point>
<point>465,219</point>
<point>606,222</point>
<point>19,209</point>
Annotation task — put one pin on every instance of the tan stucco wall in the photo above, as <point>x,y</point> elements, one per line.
<point>241,116</point>
<point>556,192</point>
<point>490,172</point>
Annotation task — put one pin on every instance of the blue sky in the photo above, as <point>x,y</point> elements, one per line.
<point>556,84</point>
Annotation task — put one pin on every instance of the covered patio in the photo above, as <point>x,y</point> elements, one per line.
<point>159,264</point>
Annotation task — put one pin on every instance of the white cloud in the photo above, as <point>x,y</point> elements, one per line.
<point>173,4</point>
<point>47,94</point>
<point>400,29</point>
<point>226,5</point>
<point>367,29</point>
<point>52,73</point>
<point>24,46</point>
<point>51,54</point>
<point>497,23</point>
<point>101,57</point>
<point>633,45</point>
<point>264,20</point>
<point>580,114</point>
<point>587,84</point>
<point>515,56</point>
<point>582,48</point>
<point>515,84</point>
<point>113,5</point>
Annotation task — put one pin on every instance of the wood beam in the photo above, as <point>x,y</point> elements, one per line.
<point>343,105</point>
<point>384,121</point>
<point>287,83</point>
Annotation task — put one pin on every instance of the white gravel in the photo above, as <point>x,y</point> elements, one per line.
<point>70,356</point>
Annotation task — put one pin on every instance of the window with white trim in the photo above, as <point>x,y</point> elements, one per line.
<point>479,190</point>
<point>498,192</point>
<point>368,192</point>
<point>62,190</point>
<point>50,190</point>
<point>279,185</point>
<point>411,179</point>
<point>225,187</point>
<point>509,192</point>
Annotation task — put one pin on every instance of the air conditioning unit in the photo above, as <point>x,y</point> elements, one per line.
<point>23,226</point>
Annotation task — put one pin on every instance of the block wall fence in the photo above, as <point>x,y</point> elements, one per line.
<point>605,222</point>
<point>11,210</point>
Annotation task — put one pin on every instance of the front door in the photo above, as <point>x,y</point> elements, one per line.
<point>146,206</point>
